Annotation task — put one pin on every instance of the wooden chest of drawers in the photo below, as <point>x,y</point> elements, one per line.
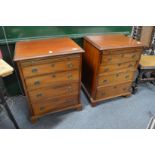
<point>109,65</point>
<point>50,71</point>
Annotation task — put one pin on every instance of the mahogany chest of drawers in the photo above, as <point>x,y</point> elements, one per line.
<point>50,71</point>
<point>109,65</point>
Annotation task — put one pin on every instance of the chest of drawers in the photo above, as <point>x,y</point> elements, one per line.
<point>109,65</point>
<point>50,71</point>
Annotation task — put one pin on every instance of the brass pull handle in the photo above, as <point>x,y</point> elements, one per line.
<point>53,75</point>
<point>70,65</point>
<point>103,93</point>
<point>42,108</point>
<point>70,76</point>
<point>104,81</point>
<point>34,70</point>
<point>39,95</point>
<point>127,76</point>
<point>106,69</point>
<point>130,65</point>
<point>37,83</point>
<point>115,87</point>
<point>122,55</point>
<point>52,65</point>
<point>117,75</point>
<point>133,56</point>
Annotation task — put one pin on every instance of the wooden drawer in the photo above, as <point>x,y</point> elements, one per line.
<point>53,78</point>
<point>113,91</point>
<point>53,91</point>
<point>54,104</point>
<point>120,57</point>
<point>116,78</point>
<point>51,66</point>
<point>106,69</point>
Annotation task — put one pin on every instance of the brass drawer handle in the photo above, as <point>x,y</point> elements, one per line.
<point>70,65</point>
<point>117,75</point>
<point>115,87</point>
<point>34,70</point>
<point>105,81</point>
<point>133,56</point>
<point>130,65</point>
<point>53,75</point>
<point>103,93</point>
<point>127,76</point>
<point>70,76</point>
<point>106,69</point>
<point>42,108</point>
<point>39,95</point>
<point>37,83</point>
<point>52,65</point>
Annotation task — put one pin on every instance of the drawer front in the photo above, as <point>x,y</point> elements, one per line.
<point>40,61</point>
<point>120,58</point>
<point>106,69</point>
<point>116,78</point>
<point>53,91</point>
<point>50,67</point>
<point>53,78</point>
<point>112,91</point>
<point>54,104</point>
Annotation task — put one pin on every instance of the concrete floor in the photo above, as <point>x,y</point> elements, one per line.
<point>122,113</point>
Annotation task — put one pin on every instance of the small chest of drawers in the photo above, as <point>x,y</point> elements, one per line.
<point>50,71</point>
<point>109,65</point>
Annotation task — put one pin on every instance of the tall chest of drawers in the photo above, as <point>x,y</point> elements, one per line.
<point>109,65</point>
<point>50,71</point>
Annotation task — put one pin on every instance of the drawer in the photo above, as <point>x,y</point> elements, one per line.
<point>120,58</point>
<point>40,61</point>
<point>54,104</point>
<point>53,78</point>
<point>106,69</point>
<point>57,66</point>
<point>116,78</point>
<point>53,91</point>
<point>113,91</point>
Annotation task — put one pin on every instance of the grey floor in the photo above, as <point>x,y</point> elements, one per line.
<point>133,112</point>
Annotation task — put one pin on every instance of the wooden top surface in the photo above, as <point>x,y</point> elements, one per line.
<point>5,69</point>
<point>44,48</point>
<point>147,61</point>
<point>112,41</point>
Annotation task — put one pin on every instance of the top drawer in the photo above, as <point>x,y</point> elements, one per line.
<point>120,56</point>
<point>44,66</point>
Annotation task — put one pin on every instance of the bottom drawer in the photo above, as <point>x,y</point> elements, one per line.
<point>113,91</point>
<point>54,104</point>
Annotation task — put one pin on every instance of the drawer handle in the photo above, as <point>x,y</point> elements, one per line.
<point>105,81</point>
<point>42,108</point>
<point>103,93</point>
<point>52,65</point>
<point>70,65</point>
<point>127,76</point>
<point>130,65</point>
<point>70,76</point>
<point>39,95</point>
<point>117,75</point>
<point>133,56</point>
<point>34,70</point>
<point>37,83</point>
<point>106,69</point>
<point>53,75</point>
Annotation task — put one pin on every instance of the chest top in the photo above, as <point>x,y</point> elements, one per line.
<point>45,48</point>
<point>112,41</point>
